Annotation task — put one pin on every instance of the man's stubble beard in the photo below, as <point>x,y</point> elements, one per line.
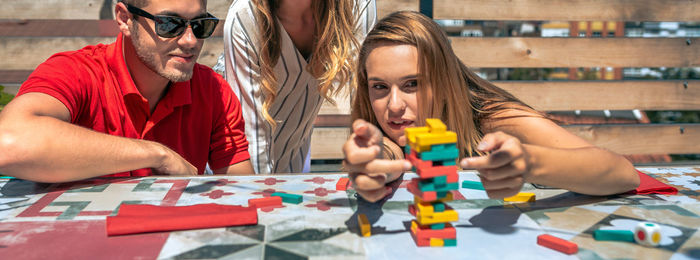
<point>148,58</point>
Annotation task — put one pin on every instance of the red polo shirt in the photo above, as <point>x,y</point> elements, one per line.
<point>200,119</point>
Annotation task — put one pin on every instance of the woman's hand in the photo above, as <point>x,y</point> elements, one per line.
<point>505,167</point>
<point>367,171</point>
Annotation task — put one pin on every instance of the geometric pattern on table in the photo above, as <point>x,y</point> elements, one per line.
<point>99,201</point>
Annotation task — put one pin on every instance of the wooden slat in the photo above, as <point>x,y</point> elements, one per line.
<point>326,142</point>
<point>516,52</point>
<point>610,95</point>
<point>25,53</point>
<point>103,9</point>
<point>385,7</point>
<point>642,138</point>
<point>568,10</point>
<point>80,9</point>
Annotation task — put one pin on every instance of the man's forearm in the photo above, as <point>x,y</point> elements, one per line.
<point>46,149</point>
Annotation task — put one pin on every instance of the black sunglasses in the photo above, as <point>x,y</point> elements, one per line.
<point>173,26</point>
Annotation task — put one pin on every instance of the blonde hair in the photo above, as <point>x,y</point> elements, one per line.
<point>333,49</point>
<point>441,76</point>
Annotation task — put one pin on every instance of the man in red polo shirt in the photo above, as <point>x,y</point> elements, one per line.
<point>135,107</point>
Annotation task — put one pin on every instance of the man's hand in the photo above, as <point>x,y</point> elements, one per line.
<point>367,171</point>
<point>172,163</point>
<point>504,170</point>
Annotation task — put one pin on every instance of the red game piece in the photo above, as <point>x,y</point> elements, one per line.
<point>342,184</point>
<point>558,244</point>
<point>265,202</point>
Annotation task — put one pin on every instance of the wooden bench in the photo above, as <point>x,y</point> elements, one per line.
<point>30,31</point>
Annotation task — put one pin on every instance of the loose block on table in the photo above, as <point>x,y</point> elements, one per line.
<point>365,227</point>
<point>289,198</point>
<point>558,244</point>
<point>613,235</point>
<point>265,202</point>
<point>342,184</point>
<point>521,197</point>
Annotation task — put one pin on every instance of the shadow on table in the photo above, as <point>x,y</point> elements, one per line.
<point>502,219</point>
<point>19,187</point>
<point>373,211</point>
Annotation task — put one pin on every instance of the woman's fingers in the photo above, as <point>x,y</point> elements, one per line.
<point>379,166</point>
<point>374,195</point>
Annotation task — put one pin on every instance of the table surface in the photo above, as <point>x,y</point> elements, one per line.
<point>67,221</point>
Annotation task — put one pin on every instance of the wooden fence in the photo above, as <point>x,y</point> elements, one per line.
<point>30,31</point>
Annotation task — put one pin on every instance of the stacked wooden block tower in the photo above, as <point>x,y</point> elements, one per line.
<point>433,152</point>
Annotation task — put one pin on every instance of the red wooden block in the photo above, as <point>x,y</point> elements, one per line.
<point>425,232</point>
<point>412,209</point>
<point>558,244</point>
<point>342,184</point>
<point>413,158</point>
<point>435,171</point>
<point>423,195</point>
<point>265,202</point>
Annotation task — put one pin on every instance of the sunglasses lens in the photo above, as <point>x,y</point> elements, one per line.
<point>203,28</point>
<point>169,27</point>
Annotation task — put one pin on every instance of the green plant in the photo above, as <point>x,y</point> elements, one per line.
<point>4,97</point>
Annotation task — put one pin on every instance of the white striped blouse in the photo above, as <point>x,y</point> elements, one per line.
<point>285,149</point>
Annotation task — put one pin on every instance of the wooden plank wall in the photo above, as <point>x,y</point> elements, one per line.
<point>30,31</point>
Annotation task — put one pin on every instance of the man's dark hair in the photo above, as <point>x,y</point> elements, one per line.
<point>136,3</point>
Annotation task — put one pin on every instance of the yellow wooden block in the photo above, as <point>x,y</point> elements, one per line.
<point>425,208</point>
<point>437,242</point>
<point>438,217</point>
<point>365,227</point>
<point>411,133</point>
<point>428,139</point>
<point>521,197</point>
<point>448,197</point>
<point>436,126</point>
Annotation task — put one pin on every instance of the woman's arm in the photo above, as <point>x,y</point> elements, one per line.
<point>524,146</point>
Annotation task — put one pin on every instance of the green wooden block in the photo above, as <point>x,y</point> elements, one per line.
<point>439,207</point>
<point>439,226</point>
<point>443,147</point>
<point>289,198</point>
<point>426,186</point>
<point>407,149</point>
<point>439,155</point>
<point>449,162</point>
<point>474,185</point>
<point>450,242</point>
<point>440,180</point>
<point>613,235</point>
<point>430,186</point>
<point>441,194</point>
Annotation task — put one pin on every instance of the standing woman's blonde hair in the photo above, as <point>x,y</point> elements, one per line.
<point>334,43</point>
<point>448,89</point>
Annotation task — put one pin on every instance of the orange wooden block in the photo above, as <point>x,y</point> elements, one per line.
<point>558,244</point>
<point>265,202</point>
<point>365,227</point>
<point>342,184</point>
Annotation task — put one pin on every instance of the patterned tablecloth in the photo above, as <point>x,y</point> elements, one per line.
<point>67,221</point>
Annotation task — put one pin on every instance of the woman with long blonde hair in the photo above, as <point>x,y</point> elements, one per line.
<point>283,58</point>
<point>407,71</point>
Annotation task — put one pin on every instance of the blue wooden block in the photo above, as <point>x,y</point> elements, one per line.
<point>407,149</point>
<point>289,198</point>
<point>450,242</point>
